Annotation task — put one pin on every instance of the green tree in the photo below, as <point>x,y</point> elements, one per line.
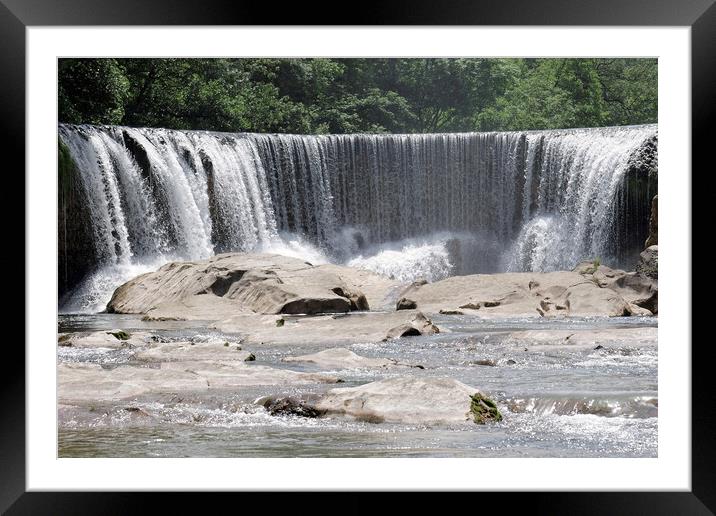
<point>375,95</point>
<point>91,91</point>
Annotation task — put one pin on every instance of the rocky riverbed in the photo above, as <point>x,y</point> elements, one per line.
<point>264,355</point>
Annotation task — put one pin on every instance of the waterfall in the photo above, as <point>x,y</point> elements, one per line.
<point>531,200</point>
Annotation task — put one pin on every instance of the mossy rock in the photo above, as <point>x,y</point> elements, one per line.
<point>483,409</point>
<point>120,335</point>
<point>279,323</point>
<point>250,358</point>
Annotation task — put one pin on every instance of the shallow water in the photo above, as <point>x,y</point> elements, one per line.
<point>556,401</point>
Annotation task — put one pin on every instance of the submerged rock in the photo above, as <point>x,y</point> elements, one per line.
<point>191,351</point>
<point>113,339</point>
<point>329,330</point>
<point>584,339</point>
<point>87,382</point>
<point>404,400</point>
<point>290,405</point>
<point>341,358</point>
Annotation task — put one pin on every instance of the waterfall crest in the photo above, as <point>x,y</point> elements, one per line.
<point>534,200</point>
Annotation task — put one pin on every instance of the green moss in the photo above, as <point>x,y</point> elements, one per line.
<point>279,323</point>
<point>483,409</point>
<point>120,335</point>
<point>594,268</point>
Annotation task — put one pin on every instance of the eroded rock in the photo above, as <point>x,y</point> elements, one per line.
<point>233,283</point>
<point>403,400</point>
<point>416,326</point>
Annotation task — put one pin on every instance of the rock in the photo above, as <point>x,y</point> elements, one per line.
<point>581,339</point>
<point>407,400</point>
<point>483,409</point>
<point>448,311</point>
<point>341,358</point>
<point>561,293</point>
<point>113,339</point>
<point>377,289</point>
<point>291,406</point>
<point>405,304</point>
<point>653,238</point>
<point>190,351</point>
<point>329,330</point>
<point>638,290</point>
<point>484,362</point>
<point>648,264</point>
<point>250,358</point>
<point>150,318</point>
<point>233,283</point>
<point>357,300</point>
<point>418,325</point>
<point>87,382</point>
<point>639,311</point>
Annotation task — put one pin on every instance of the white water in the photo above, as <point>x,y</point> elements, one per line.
<point>407,206</point>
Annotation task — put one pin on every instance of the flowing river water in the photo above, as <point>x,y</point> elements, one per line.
<point>557,401</point>
<point>404,206</point>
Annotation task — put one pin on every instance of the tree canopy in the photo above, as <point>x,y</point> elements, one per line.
<point>375,95</point>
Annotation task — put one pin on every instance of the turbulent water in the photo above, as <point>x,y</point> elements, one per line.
<point>403,205</point>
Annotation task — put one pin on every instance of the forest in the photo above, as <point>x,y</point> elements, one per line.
<point>370,95</point>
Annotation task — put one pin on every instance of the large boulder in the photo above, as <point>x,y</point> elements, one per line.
<point>228,284</point>
<point>409,400</point>
<point>639,289</point>
<point>536,294</point>
<point>648,264</point>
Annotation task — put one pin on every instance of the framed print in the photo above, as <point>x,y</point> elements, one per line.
<point>419,253</point>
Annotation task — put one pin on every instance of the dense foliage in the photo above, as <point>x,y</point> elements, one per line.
<point>358,95</point>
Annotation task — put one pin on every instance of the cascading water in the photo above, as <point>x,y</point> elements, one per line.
<point>404,205</point>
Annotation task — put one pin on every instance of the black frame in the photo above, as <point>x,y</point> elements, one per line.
<point>700,15</point>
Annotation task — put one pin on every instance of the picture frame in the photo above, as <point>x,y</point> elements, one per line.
<point>17,15</point>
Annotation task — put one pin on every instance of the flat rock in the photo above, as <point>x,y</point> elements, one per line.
<point>191,351</point>
<point>407,400</point>
<point>228,284</point>
<point>113,339</point>
<point>549,294</point>
<point>323,329</point>
<point>341,358</point>
<point>86,382</point>
<point>622,337</point>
